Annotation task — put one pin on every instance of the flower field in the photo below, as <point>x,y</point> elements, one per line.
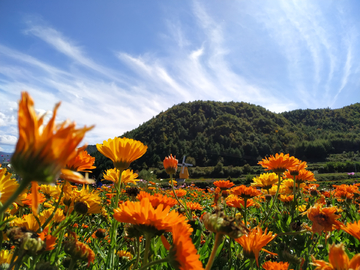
<point>57,218</point>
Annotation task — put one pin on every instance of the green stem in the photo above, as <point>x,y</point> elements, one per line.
<point>114,225</point>
<point>218,239</point>
<point>20,189</point>
<point>176,197</point>
<point>273,201</point>
<point>147,248</point>
<point>56,207</point>
<point>137,251</point>
<point>72,264</point>
<point>245,202</point>
<point>154,263</point>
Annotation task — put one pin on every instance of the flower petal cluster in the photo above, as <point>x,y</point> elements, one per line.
<point>224,184</point>
<point>8,185</point>
<point>338,260</point>
<point>254,241</point>
<point>280,163</point>
<point>183,253</point>
<point>170,164</point>
<point>265,180</point>
<point>323,218</point>
<point>42,151</point>
<point>157,199</point>
<point>143,213</point>
<point>122,151</point>
<point>245,192</point>
<point>275,265</point>
<point>352,229</point>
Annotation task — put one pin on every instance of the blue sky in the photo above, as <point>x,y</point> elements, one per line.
<point>116,64</point>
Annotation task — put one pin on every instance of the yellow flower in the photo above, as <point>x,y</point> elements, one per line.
<point>125,254</point>
<point>50,191</point>
<point>42,151</point>
<point>122,151</point>
<point>5,256</point>
<point>89,199</point>
<point>127,176</point>
<point>265,180</point>
<point>7,185</point>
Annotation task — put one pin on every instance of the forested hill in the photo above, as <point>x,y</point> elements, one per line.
<point>237,133</point>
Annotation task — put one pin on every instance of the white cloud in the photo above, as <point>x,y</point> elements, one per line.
<point>8,139</point>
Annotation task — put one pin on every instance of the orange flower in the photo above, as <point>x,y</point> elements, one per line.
<point>352,229</point>
<point>180,192</point>
<point>122,151</point>
<point>193,206</point>
<point>143,215</point>
<point>323,219</point>
<point>245,192</point>
<point>237,202</point>
<point>302,176</point>
<point>223,184</point>
<point>79,250</point>
<point>157,199</point>
<point>279,163</point>
<point>286,198</point>
<point>50,241</point>
<point>338,260</point>
<point>82,162</point>
<point>254,242</point>
<point>34,199</point>
<point>41,153</point>
<point>275,265</point>
<point>170,164</point>
<point>8,185</point>
<point>183,253</point>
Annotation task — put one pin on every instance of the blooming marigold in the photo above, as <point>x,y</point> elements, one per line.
<point>125,254</point>
<point>122,151</point>
<point>222,184</point>
<point>302,176</point>
<point>180,192</point>
<point>323,219</point>
<point>145,218</point>
<point>254,241</point>
<point>194,206</point>
<point>238,202</point>
<point>170,164</point>
<point>183,254</point>
<point>41,153</point>
<point>338,260</point>
<point>279,163</point>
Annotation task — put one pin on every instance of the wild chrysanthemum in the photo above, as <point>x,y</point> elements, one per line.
<point>254,241</point>
<point>275,265</point>
<point>302,176</point>
<point>122,151</point>
<point>245,192</point>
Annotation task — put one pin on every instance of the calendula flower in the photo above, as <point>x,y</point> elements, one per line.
<point>352,229</point>
<point>125,254</point>
<point>122,151</point>
<point>78,250</point>
<point>193,206</point>
<point>42,151</point>
<point>183,254</point>
<point>245,192</point>
<point>323,218</point>
<point>8,185</point>
<point>34,199</point>
<point>173,182</point>
<point>286,198</point>
<point>157,199</point>
<point>302,176</point>
<point>338,260</point>
<point>87,199</point>
<point>5,256</point>
<point>128,176</point>
<point>147,219</point>
<point>222,184</point>
<point>180,192</point>
<point>50,191</point>
<point>265,180</point>
<point>279,163</point>
<point>238,202</point>
<point>27,221</point>
<point>170,164</point>
<point>275,265</point>
<point>82,162</point>
<point>254,241</point>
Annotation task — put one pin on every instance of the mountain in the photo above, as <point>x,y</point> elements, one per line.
<point>238,133</point>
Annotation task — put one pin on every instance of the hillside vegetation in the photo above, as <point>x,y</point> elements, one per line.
<point>238,133</point>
